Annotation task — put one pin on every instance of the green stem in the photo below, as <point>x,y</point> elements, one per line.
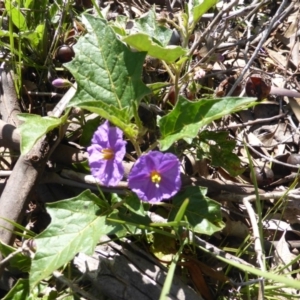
<point>13,50</point>
<point>176,85</point>
<point>152,146</point>
<point>169,71</point>
<point>174,78</point>
<point>168,282</point>
<point>139,124</point>
<point>136,147</point>
<point>140,226</point>
<point>97,8</point>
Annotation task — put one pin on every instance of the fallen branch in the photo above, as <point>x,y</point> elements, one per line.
<point>25,176</point>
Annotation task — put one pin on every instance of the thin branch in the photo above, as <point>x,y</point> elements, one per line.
<point>273,160</point>
<point>273,22</point>
<point>257,121</point>
<point>290,195</point>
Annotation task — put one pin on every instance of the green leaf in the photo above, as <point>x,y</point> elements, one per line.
<point>76,226</point>
<point>36,12</point>
<point>34,127</point>
<point>132,211</point>
<point>36,37</point>
<point>221,157</point>
<point>88,130</point>
<point>149,26</point>
<point>142,42</point>
<point>22,232</point>
<point>20,291</point>
<point>108,75</point>
<point>19,261</point>
<point>16,15</point>
<point>156,87</point>
<point>187,117</point>
<point>202,213</point>
<point>163,247</point>
<point>119,25</point>
<point>135,205</point>
<point>6,33</point>
<point>199,8</point>
<point>221,152</point>
<point>28,3</point>
<point>181,211</point>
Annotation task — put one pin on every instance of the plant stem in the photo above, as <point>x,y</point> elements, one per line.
<point>169,71</point>
<point>136,147</point>
<point>152,146</point>
<point>168,281</point>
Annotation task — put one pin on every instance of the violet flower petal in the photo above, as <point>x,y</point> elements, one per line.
<point>167,166</point>
<point>106,141</point>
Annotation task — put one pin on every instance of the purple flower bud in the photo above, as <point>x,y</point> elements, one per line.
<point>61,83</point>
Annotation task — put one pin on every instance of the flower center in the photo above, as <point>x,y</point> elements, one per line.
<point>155,178</point>
<point>107,153</point>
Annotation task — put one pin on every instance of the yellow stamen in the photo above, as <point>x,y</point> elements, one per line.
<point>107,154</point>
<point>155,178</point>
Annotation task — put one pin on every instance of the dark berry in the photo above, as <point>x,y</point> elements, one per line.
<point>64,54</point>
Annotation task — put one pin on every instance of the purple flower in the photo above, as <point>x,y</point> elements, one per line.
<point>155,176</point>
<point>106,154</point>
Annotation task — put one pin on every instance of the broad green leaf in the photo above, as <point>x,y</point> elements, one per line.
<point>76,226</point>
<point>198,8</point>
<point>202,213</point>
<point>16,15</point>
<point>108,75</point>
<point>120,118</point>
<point>142,42</point>
<point>34,127</point>
<point>149,26</point>
<point>187,118</point>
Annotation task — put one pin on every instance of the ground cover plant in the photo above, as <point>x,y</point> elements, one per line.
<point>149,149</point>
